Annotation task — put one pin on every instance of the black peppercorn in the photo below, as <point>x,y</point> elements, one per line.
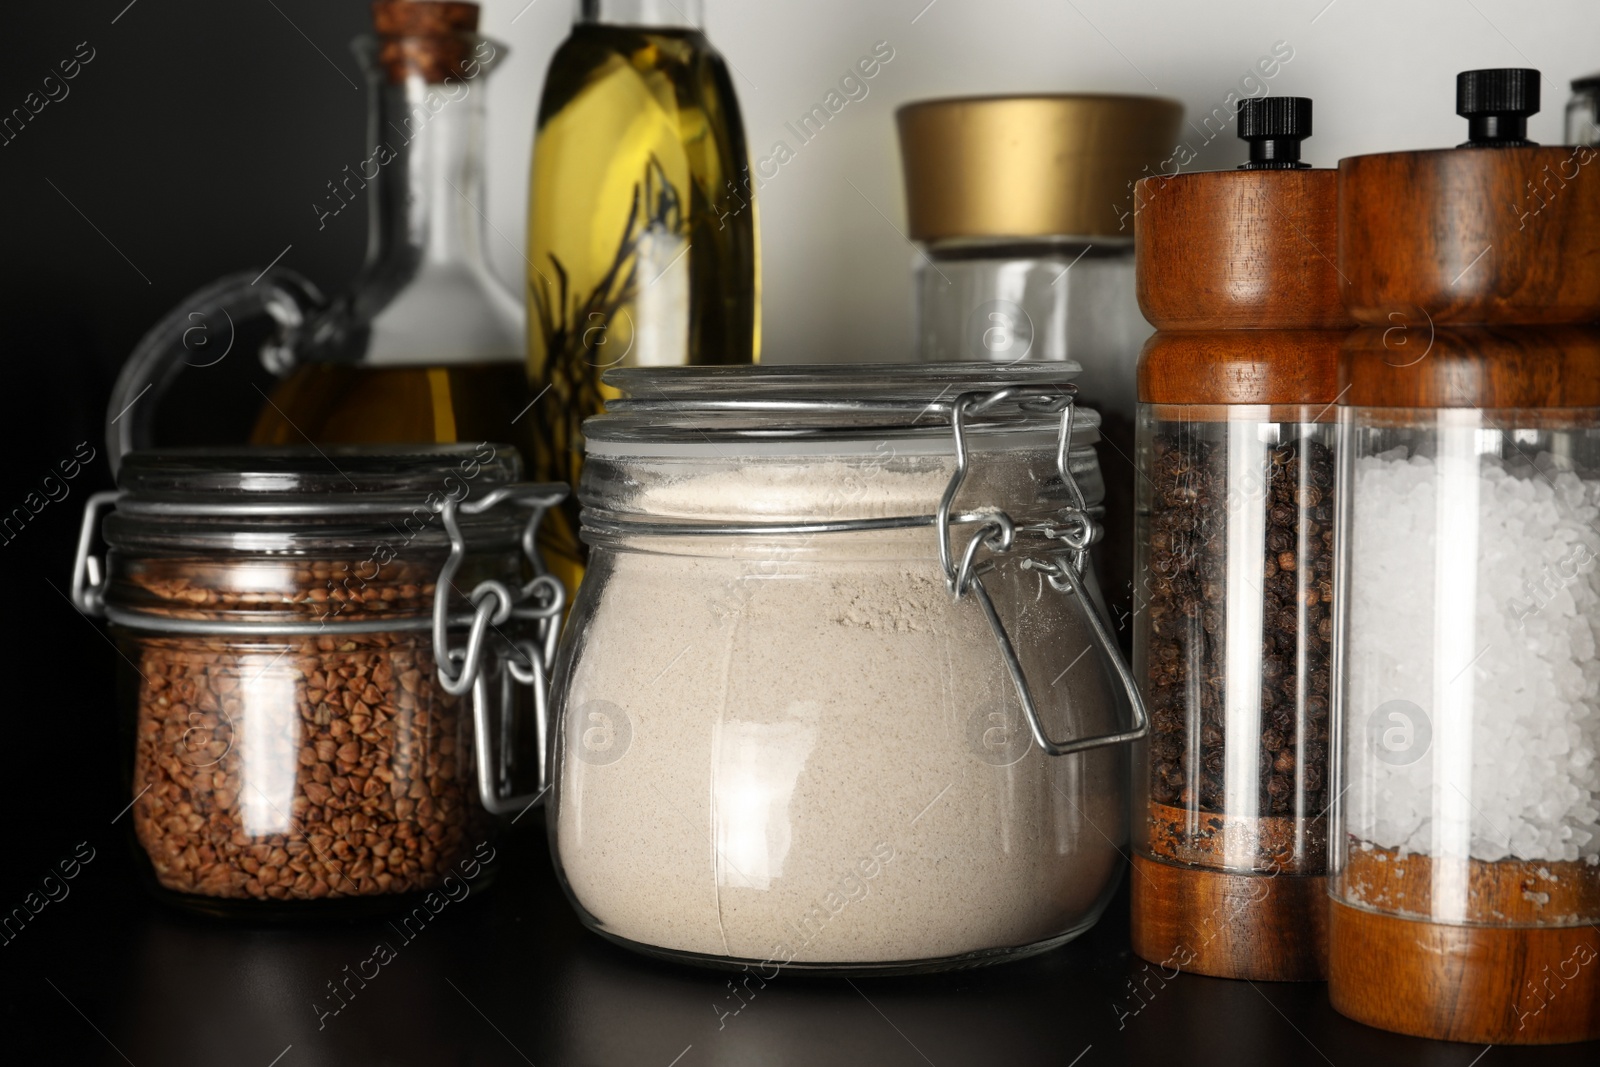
<point>1190,624</point>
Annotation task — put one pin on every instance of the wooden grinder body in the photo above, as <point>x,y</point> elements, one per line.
<point>1236,271</point>
<point>1475,273</point>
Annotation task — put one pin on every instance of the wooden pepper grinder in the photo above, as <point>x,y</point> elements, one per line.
<point>1236,455</point>
<point>1466,843</point>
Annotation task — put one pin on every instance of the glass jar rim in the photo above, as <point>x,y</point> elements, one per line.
<point>818,409</point>
<point>287,497</point>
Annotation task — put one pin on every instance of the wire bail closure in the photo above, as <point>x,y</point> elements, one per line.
<point>997,533</point>
<point>538,603</point>
<point>994,530</point>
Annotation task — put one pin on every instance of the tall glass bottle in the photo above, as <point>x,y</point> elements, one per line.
<point>641,223</point>
<point>426,344</point>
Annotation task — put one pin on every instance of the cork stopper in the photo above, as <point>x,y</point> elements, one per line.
<point>430,39</point>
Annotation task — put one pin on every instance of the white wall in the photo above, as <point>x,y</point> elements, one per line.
<point>837,274</point>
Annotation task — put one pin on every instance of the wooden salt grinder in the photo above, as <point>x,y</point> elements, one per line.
<point>1473,271</point>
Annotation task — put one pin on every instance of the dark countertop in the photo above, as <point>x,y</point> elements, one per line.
<point>507,975</point>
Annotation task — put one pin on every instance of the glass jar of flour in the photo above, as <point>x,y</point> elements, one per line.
<point>838,692</point>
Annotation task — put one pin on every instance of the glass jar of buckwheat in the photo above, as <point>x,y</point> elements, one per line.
<point>318,648</point>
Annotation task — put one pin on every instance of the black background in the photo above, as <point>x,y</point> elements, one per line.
<point>187,148</point>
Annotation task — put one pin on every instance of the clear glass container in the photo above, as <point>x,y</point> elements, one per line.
<point>780,740</point>
<point>1023,211</point>
<point>426,344</point>
<point>295,742</point>
<point>1007,300</point>
<point>1470,697</point>
<point>1583,112</point>
<point>1236,523</point>
<point>1048,299</point>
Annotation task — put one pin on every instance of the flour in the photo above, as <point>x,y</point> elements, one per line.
<point>841,707</point>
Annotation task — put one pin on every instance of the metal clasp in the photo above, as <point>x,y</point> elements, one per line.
<point>88,572</point>
<point>997,533</point>
<point>539,602</point>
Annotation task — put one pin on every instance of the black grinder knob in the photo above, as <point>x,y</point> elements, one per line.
<point>1496,105</point>
<point>1274,126</point>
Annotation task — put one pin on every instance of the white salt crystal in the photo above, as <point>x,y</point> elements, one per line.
<point>1533,691</point>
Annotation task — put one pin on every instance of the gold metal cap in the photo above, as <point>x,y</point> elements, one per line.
<point>1030,166</point>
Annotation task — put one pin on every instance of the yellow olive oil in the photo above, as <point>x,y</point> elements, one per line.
<point>343,403</point>
<point>641,233</point>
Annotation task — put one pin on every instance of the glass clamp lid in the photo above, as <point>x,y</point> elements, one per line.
<point>339,502</point>
<point>834,402</point>
<point>953,408</point>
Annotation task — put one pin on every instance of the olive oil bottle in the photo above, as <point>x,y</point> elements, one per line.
<point>426,346</point>
<point>641,224</point>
